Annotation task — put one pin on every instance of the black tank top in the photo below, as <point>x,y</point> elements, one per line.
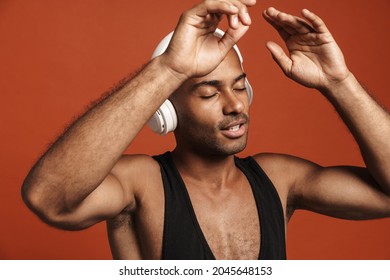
<point>183,238</point>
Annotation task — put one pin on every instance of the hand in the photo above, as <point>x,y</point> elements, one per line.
<point>194,51</point>
<point>314,59</point>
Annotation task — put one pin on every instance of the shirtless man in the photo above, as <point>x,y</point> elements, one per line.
<point>200,201</point>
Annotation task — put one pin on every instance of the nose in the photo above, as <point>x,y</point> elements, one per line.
<point>232,103</point>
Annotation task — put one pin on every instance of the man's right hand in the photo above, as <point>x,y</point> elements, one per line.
<point>194,51</point>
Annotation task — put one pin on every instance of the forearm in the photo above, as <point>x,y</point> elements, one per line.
<point>81,158</point>
<point>368,122</point>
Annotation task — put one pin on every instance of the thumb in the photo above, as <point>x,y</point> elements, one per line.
<point>280,57</point>
<point>231,37</point>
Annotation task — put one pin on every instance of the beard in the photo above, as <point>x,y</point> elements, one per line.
<point>207,140</point>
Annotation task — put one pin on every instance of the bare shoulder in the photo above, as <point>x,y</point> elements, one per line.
<point>137,172</point>
<point>285,172</point>
<point>135,163</point>
<point>285,168</point>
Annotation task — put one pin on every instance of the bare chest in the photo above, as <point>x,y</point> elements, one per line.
<point>229,222</point>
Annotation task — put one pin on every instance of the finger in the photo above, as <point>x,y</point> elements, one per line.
<point>248,3</point>
<point>243,15</point>
<point>295,23</point>
<point>278,19</point>
<point>234,20</point>
<point>231,37</point>
<point>280,57</point>
<point>278,28</point>
<point>215,7</point>
<point>234,9</point>
<point>316,21</point>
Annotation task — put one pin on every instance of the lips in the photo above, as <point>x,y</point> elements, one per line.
<point>235,129</point>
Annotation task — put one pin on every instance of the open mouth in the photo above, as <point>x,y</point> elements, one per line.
<point>234,130</point>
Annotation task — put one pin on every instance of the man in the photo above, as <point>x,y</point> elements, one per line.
<point>200,201</point>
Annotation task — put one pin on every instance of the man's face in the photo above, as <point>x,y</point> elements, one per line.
<point>213,110</point>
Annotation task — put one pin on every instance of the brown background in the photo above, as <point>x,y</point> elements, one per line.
<point>58,56</point>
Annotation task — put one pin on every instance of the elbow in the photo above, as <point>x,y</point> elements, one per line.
<point>48,208</point>
<point>32,197</point>
<point>36,199</point>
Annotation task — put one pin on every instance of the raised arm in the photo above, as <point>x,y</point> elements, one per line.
<point>80,180</point>
<point>315,60</point>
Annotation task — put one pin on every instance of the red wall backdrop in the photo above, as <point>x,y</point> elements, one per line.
<point>58,56</point>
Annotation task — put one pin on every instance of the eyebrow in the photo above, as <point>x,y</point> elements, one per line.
<point>215,83</point>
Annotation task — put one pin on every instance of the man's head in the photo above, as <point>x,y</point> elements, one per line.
<point>213,110</point>
<point>202,106</point>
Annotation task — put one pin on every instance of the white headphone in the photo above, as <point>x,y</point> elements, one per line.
<point>165,118</point>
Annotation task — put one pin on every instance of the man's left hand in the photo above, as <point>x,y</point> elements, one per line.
<point>314,59</point>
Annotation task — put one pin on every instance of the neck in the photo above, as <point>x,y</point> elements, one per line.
<point>212,170</point>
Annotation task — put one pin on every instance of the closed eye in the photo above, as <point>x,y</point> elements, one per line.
<point>209,96</point>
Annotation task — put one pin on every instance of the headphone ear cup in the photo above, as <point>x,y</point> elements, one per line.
<point>249,90</point>
<point>165,119</point>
